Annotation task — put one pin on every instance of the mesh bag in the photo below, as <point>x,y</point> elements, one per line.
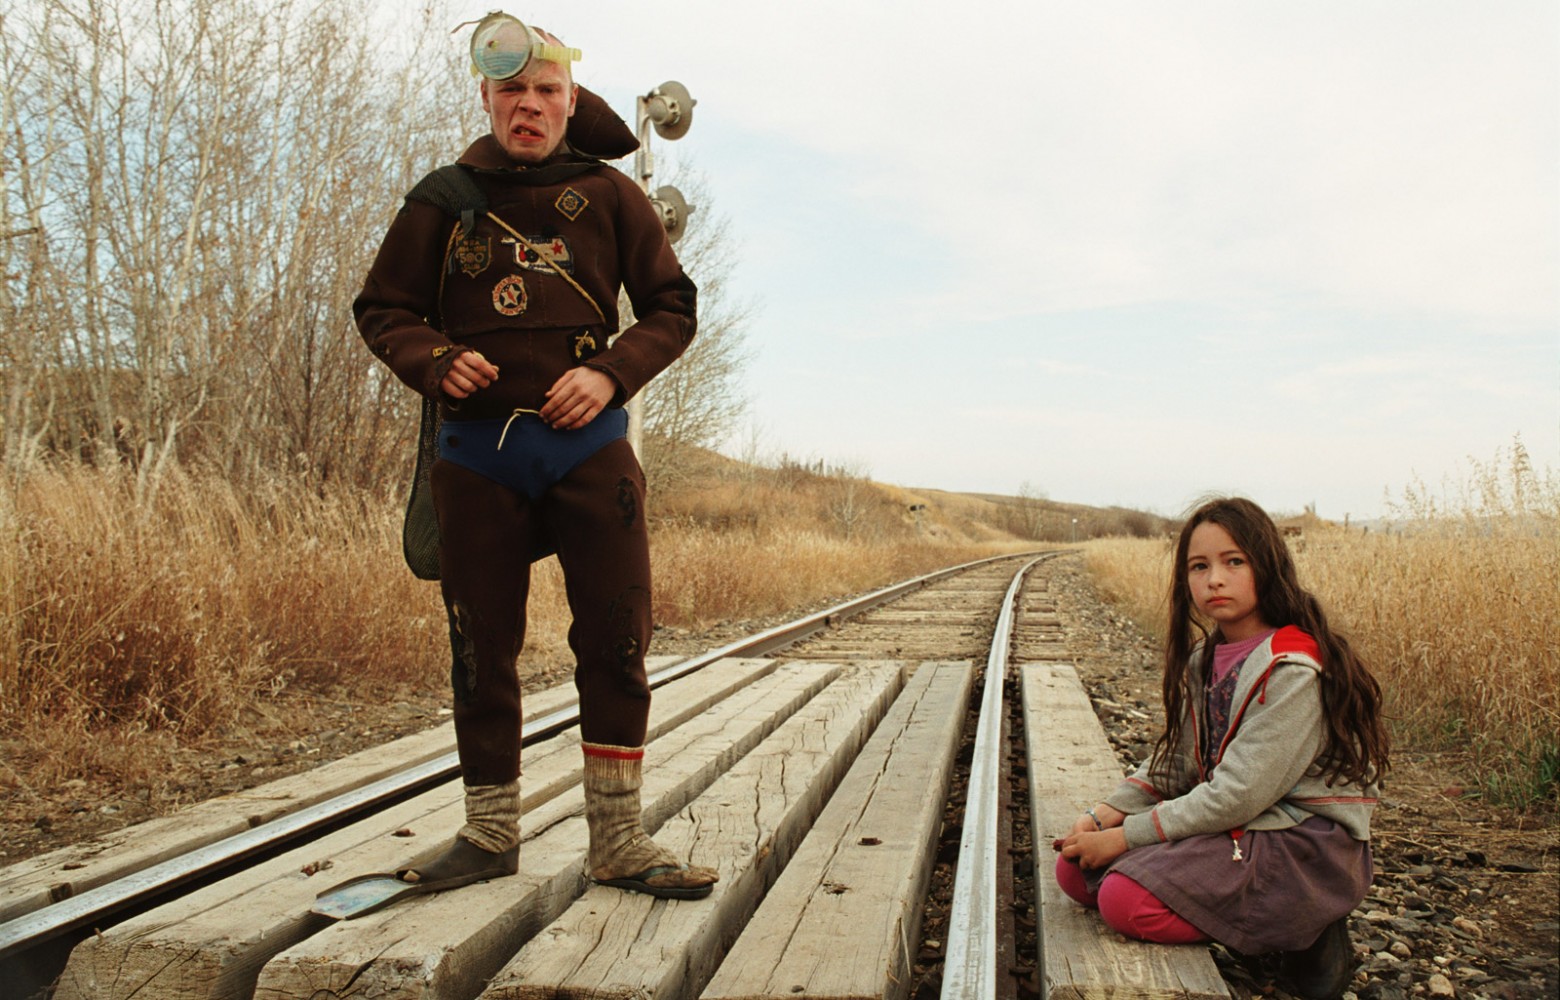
<point>420,530</point>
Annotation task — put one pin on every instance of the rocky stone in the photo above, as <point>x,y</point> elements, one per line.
<point>1439,986</point>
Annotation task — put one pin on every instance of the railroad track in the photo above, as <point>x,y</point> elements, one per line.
<point>823,766</point>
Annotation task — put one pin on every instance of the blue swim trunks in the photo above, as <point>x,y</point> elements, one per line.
<point>534,456</point>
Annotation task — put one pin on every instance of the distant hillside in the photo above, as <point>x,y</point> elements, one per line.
<point>714,491</point>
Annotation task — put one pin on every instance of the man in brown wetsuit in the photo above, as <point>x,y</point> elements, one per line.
<point>494,293</point>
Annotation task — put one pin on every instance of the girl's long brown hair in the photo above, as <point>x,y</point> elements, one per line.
<point>1357,742</point>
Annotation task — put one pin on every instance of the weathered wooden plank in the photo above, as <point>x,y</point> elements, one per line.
<point>842,921</point>
<point>1071,767</point>
<point>747,825</point>
<point>48,878</point>
<point>212,943</point>
<point>450,944</point>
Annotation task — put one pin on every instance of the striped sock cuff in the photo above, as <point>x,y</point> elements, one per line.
<point>607,763</point>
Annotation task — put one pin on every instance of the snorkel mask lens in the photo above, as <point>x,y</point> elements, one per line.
<point>502,46</point>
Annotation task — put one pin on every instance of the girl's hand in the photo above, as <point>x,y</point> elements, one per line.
<point>1095,849</point>
<point>1108,816</point>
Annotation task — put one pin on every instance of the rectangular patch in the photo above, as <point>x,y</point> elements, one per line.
<point>554,248</point>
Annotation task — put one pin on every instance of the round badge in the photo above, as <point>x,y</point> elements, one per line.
<point>509,296</point>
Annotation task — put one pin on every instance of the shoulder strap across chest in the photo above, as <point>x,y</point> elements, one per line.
<point>452,190</point>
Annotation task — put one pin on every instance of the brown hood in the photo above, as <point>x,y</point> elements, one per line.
<point>597,131</point>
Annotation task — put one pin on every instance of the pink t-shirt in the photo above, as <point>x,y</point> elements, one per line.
<point>1228,655</point>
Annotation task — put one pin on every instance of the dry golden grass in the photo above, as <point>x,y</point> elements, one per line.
<point>1456,609</point>
<point>167,604</point>
<point>753,542</point>
<point>1134,575</point>
<point>160,609</point>
<point>702,578</point>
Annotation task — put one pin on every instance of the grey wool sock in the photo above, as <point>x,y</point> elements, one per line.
<point>619,846</point>
<point>493,816</point>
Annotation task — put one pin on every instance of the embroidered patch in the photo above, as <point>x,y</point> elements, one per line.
<point>554,248</point>
<point>571,203</point>
<point>584,345</point>
<point>473,254</point>
<point>509,296</point>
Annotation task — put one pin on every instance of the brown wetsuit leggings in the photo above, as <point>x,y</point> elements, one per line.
<point>595,516</point>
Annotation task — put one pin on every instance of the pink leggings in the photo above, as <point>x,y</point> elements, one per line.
<point>1127,907</point>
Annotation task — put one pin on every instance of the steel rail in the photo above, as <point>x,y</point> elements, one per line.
<point>970,968</point>
<point>89,907</point>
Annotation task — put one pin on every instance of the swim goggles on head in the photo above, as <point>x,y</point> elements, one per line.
<point>502,46</point>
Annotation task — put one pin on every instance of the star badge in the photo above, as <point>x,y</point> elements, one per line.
<point>509,297</point>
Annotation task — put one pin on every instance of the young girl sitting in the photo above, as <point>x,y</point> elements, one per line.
<point>1250,823</point>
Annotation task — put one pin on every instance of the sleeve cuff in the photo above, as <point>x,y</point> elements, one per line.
<point>1141,830</point>
<point>434,378</point>
<point>622,395</point>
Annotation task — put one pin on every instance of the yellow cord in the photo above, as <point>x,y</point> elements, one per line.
<point>565,275</point>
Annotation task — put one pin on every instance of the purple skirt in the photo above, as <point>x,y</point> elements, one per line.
<point>1289,885</point>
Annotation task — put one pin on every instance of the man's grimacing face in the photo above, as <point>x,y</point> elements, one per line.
<point>530,112</point>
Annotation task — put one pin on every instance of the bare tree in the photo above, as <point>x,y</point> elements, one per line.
<point>190,194</point>
<point>1027,515</point>
<point>26,347</point>
<point>697,402</point>
<point>189,198</point>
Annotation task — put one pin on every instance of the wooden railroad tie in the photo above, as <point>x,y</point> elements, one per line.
<point>843,920</point>
<point>1071,767</point>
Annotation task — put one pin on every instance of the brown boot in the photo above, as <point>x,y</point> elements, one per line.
<point>622,855</point>
<point>1325,969</point>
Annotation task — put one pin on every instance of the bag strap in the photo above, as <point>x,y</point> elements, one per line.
<point>565,275</point>
<point>451,190</point>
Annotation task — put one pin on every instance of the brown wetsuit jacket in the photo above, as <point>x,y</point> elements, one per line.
<point>500,300</point>
<point>435,291</point>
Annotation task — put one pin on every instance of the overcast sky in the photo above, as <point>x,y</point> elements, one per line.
<point>1127,252</point>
